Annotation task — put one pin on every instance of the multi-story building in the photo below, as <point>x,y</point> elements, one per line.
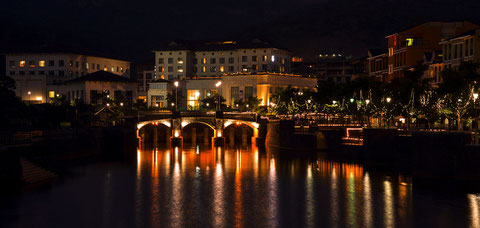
<point>407,48</point>
<point>40,75</point>
<point>145,74</point>
<point>462,48</point>
<point>184,59</point>
<point>378,64</point>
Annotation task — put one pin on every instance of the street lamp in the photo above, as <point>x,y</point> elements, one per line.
<point>389,99</point>
<point>176,94</point>
<point>352,100</point>
<point>218,84</point>
<point>334,102</point>
<point>367,101</point>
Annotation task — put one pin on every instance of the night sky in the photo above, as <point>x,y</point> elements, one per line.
<point>132,29</point>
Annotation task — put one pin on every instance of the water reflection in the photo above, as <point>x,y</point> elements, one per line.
<point>204,186</point>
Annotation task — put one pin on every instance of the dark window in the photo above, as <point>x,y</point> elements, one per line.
<point>213,69</point>
<point>222,60</point>
<point>31,72</point>
<point>51,63</point>
<point>254,58</point>
<point>12,64</point>
<point>76,64</point>
<point>195,61</point>
<point>160,60</point>
<point>170,60</point>
<point>61,73</point>
<point>98,66</point>
<point>248,91</point>
<point>231,69</point>
<point>244,58</point>
<point>212,60</point>
<point>231,60</point>
<point>12,72</point>
<point>51,72</point>
<point>21,72</point>
<point>148,75</point>
<point>170,69</point>
<point>61,63</point>
<point>235,93</point>
<point>31,63</point>
<point>264,67</point>
<point>42,72</point>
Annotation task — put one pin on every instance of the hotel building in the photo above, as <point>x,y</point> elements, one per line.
<point>40,76</point>
<point>186,59</point>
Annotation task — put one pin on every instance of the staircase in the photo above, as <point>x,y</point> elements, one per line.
<point>33,174</point>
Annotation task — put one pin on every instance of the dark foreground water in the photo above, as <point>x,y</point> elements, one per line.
<point>243,187</point>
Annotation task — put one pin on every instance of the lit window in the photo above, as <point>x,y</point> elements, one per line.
<point>204,69</point>
<point>193,98</point>
<point>88,66</point>
<point>273,58</point>
<point>179,69</point>
<point>265,58</point>
<point>41,63</point>
<point>409,42</point>
<point>113,69</point>
<point>222,68</point>
<point>180,61</point>
<point>51,94</point>
<point>31,63</point>
<point>22,63</point>
<point>204,60</point>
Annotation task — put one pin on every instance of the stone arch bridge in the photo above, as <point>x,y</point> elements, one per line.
<point>217,121</point>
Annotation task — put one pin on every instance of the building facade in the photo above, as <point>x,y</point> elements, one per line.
<point>182,59</point>
<point>406,48</point>
<point>462,48</point>
<point>101,86</point>
<point>378,64</point>
<point>158,92</point>
<point>39,75</point>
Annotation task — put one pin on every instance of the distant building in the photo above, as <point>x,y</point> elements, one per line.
<point>185,59</point>
<point>41,74</point>
<point>461,48</point>
<point>145,73</point>
<point>96,87</point>
<point>434,63</point>
<point>408,47</point>
<point>335,68</point>
<point>158,92</point>
<point>378,64</point>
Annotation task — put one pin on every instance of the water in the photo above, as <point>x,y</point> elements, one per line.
<point>238,187</point>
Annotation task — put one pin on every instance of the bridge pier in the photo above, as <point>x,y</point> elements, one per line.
<point>205,136</point>
<point>194,136</point>
<point>176,139</point>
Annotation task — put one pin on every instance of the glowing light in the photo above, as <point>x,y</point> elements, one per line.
<point>309,101</point>
<point>108,104</point>
<point>121,103</point>
<point>367,101</point>
<point>273,58</point>
<point>389,99</point>
<point>177,133</point>
<point>29,92</point>
<point>475,96</point>
<point>352,100</point>
<point>218,84</point>
<point>219,134</point>
<point>39,98</point>
<point>208,104</point>
<point>176,84</point>
<point>334,102</point>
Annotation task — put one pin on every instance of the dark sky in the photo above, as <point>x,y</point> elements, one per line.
<point>133,28</point>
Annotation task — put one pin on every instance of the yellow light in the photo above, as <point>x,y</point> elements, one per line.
<point>51,94</point>
<point>409,42</point>
<point>41,63</point>
<point>22,63</point>
<point>222,68</point>
<point>176,133</point>
<point>219,134</point>
<point>39,98</point>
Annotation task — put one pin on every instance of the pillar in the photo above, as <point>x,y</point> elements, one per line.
<point>218,138</point>
<point>176,139</point>
<point>168,135</point>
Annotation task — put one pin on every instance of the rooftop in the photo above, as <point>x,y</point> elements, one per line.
<point>177,45</point>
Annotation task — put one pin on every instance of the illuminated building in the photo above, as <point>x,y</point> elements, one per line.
<point>464,47</point>
<point>40,74</point>
<point>95,87</point>
<point>378,64</point>
<point>407,48</point>
<point>145,73</point>
<point>158,92</point>
<point>434,63</point>
<point>190,59</point>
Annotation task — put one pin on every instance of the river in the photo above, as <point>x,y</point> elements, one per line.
<point>235,187</point>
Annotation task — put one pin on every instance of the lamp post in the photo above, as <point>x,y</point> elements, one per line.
<point>176,95</point>
<point>218,84</point>
<point>475,96</point>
